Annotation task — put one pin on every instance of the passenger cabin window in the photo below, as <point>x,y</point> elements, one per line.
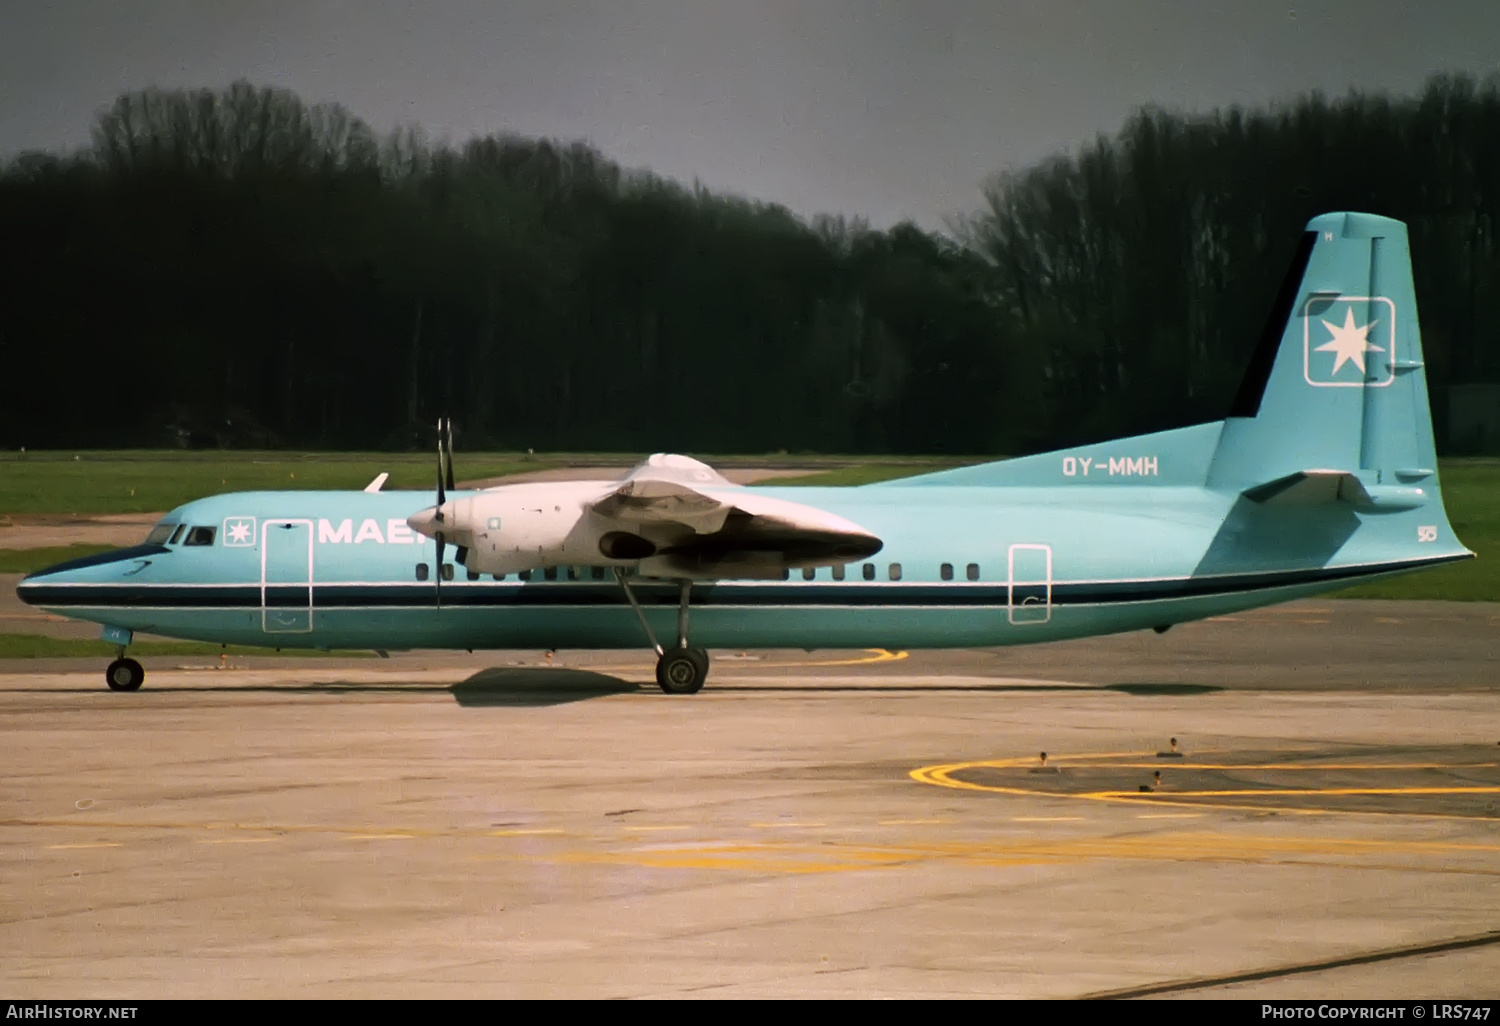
<point>524,575</point>
<point>838,572</point>
<point>200,536</point>
<point>946,571</point>
<point>809,572</point>
<point>447,571</point>
<point>973,571</point>
<point>550,573</point>
<point>869,571</point>
<point>597,572</point>
<point>161,532</point>
<point>498,577</point>
<point>422,572</point>
<point>786,573</point>
<point>473,575</point>
<point>895,571</point>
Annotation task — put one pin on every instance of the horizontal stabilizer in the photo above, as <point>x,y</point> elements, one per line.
<point>1316,487</point>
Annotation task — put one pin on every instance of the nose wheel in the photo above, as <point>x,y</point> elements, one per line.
<point>680,670</point>
<point>124,675</point>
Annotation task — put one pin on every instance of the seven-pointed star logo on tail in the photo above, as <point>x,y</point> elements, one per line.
<point>1349,342</point>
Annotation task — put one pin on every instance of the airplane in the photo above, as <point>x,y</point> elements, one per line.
<point>1323,474</point>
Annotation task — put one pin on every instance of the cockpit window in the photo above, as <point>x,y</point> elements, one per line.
<point>200,536</point>
<point>177,534</point>
<point>161,532</point>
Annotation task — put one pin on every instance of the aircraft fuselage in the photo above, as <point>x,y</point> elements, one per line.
<point>961,566</point>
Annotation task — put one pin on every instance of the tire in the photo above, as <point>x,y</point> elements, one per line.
<point>124,675</point>
<point>680,672</point>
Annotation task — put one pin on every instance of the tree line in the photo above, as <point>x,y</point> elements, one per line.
<point>236,267</point>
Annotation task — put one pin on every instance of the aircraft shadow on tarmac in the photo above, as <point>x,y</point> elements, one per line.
<point>542,686</point>
<point>536,686</point>
<point>1146,688</point>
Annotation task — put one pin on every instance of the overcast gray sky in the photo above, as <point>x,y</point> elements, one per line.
<point>886,110</point>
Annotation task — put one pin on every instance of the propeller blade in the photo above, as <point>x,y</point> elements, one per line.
<point>441,498</point>
<point>444,476</point>
<point>448,447</point>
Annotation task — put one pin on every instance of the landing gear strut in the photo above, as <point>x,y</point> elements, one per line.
<point>680,670</point>
<point>124,675</point>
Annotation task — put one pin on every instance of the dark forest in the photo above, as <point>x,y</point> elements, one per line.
<point>238,268</point>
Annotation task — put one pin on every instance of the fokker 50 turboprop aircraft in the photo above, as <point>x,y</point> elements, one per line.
<point>1324,473</point>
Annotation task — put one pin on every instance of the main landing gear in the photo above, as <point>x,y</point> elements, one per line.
<point>124,674</point>
<point>680,670</point>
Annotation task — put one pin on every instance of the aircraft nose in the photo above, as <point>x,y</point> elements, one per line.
<point>28,590</point>
<point>42,587</point>
<point>45,586</point>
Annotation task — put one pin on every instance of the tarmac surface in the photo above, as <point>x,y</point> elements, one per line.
<point>826,824</point>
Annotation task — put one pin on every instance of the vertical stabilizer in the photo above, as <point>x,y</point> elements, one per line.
<point>1337,382</point>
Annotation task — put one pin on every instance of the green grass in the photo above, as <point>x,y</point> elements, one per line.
<point>37,646</point>
<point>26,561</point>
<point>147,482</point>
<point>863,474</point>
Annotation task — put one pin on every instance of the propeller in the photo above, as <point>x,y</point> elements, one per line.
<point>446,441</point>
<point>436,525</point>
<point>444,473</point>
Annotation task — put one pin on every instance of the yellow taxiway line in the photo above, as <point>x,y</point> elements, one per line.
<point>943,776</point>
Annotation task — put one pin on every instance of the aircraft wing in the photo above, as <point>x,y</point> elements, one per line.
<point>699,524</point>
<point>647,496</point>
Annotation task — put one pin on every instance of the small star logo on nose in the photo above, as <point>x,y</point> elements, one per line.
<point>239,532</point>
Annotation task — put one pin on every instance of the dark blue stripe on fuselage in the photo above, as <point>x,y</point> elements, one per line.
<point>591,593</point>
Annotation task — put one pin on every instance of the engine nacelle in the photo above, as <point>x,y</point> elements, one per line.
<point>527,526</point>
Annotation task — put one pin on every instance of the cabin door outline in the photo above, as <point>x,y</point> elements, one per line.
<point>286,576</point>
<point>1028,592</point>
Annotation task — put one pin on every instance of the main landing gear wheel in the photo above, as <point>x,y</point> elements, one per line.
<point>682,671</point>
<point>124,675</point>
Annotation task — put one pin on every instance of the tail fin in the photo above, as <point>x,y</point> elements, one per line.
<point>1332,407</point>
<point>1337,383</point>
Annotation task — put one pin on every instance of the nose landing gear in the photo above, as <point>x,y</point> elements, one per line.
<point>680,670</point>
<point>124,675</point>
